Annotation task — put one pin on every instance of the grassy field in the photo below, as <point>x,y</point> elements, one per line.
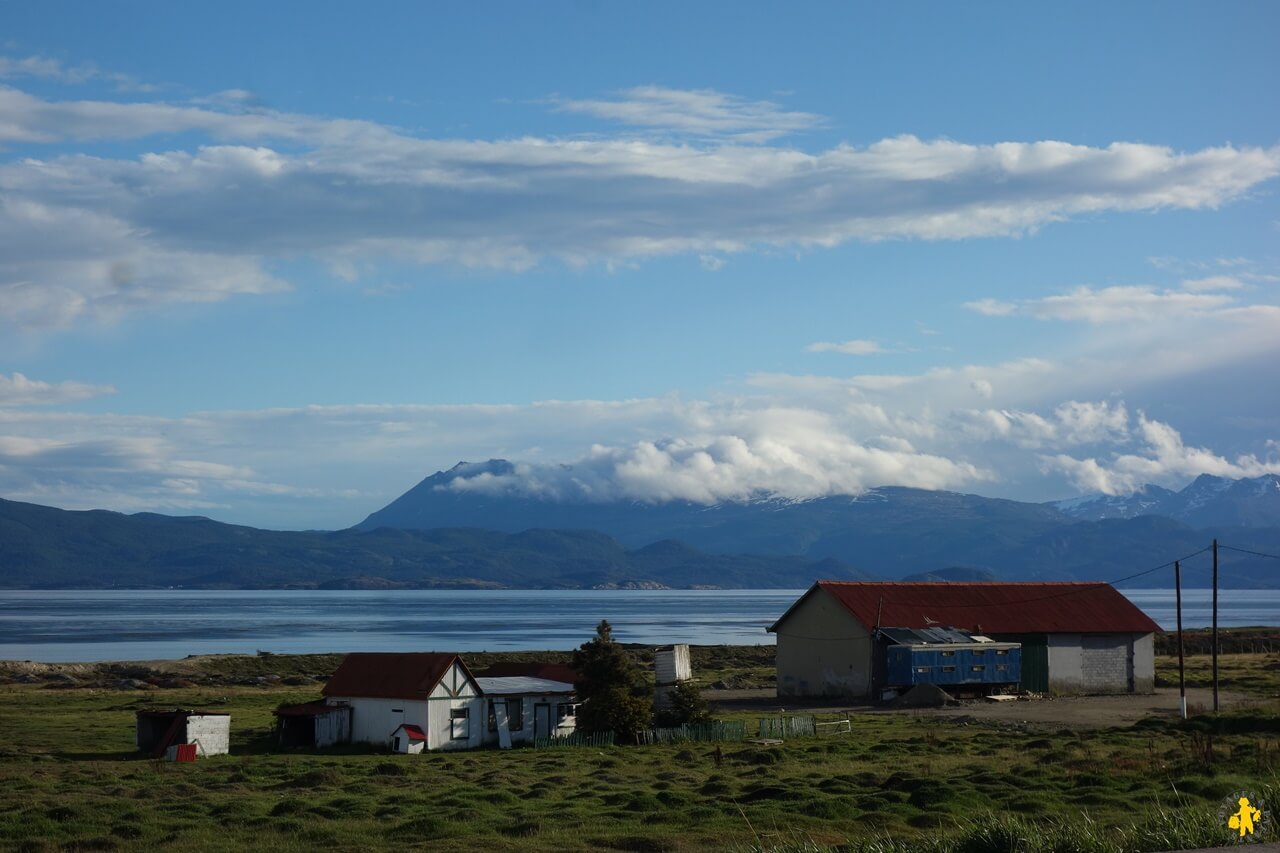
<point>69,780</point>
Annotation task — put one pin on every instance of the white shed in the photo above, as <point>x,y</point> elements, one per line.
<point>431,690</point>
<point>157,730</point>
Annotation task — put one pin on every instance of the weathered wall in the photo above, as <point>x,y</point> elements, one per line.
<point>1101,663</point>
<point>1144,663</point>
<point>213,733</point>
<point>332,728</point>
<point>823,651</point>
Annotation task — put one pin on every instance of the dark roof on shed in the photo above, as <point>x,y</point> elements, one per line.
<point>532,669</point>
<point>988,607</point>
<point>309,709</point>
<point>392,675</point>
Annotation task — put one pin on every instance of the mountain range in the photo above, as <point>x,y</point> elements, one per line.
<point>440,535</point>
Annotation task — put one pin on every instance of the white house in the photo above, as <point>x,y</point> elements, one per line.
<point>521,708</point>
<point>1074,637</point>
<point>430,690</point>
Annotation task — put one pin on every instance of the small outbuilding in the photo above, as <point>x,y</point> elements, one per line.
<point>1073,637</point>
<point>522,708</point>
<point>408,739</point>
<point>313,724</point>
<point>156,730</point>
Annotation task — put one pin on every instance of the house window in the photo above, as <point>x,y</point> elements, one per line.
<point>493,718</point>
<point>566,712</point>
<point>460,723</point>
<point>977,668</point>
<point>922,669</point>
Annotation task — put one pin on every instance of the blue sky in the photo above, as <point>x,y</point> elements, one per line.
<point>274,265</point>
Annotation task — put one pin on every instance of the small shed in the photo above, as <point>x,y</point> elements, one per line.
<point>208,731</point>
<point>671,667</point>
<point>947,657</point>
<point>313,724</point>
<point>408,739</point>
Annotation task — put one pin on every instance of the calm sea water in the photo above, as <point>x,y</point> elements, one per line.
<point>80,625</point>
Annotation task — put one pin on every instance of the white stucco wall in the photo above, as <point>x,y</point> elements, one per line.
<point>213,733</point>
<point>823,651</point>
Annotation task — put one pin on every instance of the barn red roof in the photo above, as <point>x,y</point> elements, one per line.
<point>990,608</point>
<point>532,669</point>
<point>414,732</point>
<point>391,675</point>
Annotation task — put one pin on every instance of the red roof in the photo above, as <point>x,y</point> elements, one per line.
<point>988,608</point>
<point>532,669</point>
<point>392,675</point>
<point>414,732</point>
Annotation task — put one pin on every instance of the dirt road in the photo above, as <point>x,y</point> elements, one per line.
<point>1084,712</point>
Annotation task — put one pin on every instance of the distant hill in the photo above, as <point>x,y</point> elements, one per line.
<point>437,535</point>
<point>1207,501</point>
<point>48,548</point>
<point>896,531</point>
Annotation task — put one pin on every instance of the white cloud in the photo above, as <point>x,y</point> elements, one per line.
<point>855,347</point>
<point>205,223</point>
<point>698,112</point>
<point>18,390</point>
<point>1165,461</point>
<point>1213,282</point>
<point>711,263</point>
<point>992,307</point>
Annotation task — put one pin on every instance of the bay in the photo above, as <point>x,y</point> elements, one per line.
<point>88,625</point>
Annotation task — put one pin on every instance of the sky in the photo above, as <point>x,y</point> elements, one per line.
<point>276,263</point>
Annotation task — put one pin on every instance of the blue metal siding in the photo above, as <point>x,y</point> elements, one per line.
<point>909,666</point>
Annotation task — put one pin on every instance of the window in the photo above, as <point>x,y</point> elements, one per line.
<point>1001,667</point>
<point>566,712</point>
<point>1002,651</point>
<point>977,668</point>
<point>460,723</point>
<point>922,669</point>
<point>977,653</point>
<point>948,669</point>
<point>493,718</point>
<point>397,710</point>
<point>948,654</point>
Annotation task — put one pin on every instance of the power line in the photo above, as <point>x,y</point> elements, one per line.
<point>1247,551</point>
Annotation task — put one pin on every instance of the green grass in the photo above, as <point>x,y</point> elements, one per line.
<point>69,778</point>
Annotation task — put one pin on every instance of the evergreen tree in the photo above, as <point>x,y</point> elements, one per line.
<point>685,705</point>
<point>614,692</point>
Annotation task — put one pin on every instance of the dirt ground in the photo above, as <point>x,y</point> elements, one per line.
<point>1080,712</point>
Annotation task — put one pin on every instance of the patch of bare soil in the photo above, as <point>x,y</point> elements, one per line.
<point>1082,712</point>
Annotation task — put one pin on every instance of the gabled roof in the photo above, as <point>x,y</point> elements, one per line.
<point>413,732</point>
<point>987,607</point>
<point>392,675</point>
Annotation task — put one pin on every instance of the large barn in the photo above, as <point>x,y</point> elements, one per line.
<point>1075,637</point>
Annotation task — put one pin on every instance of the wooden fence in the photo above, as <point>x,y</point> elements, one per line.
<point>572,740</point>
<point>717,730</point>
<point>797,725</point>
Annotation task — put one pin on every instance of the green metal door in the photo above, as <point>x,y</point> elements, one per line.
<point>1035,663</point>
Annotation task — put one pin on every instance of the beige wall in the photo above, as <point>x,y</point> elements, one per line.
<point>823,651</point>
<point>1101,663</point>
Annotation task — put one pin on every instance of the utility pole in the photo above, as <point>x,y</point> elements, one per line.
<point>1215,626</point>
<point>1182,672</point>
